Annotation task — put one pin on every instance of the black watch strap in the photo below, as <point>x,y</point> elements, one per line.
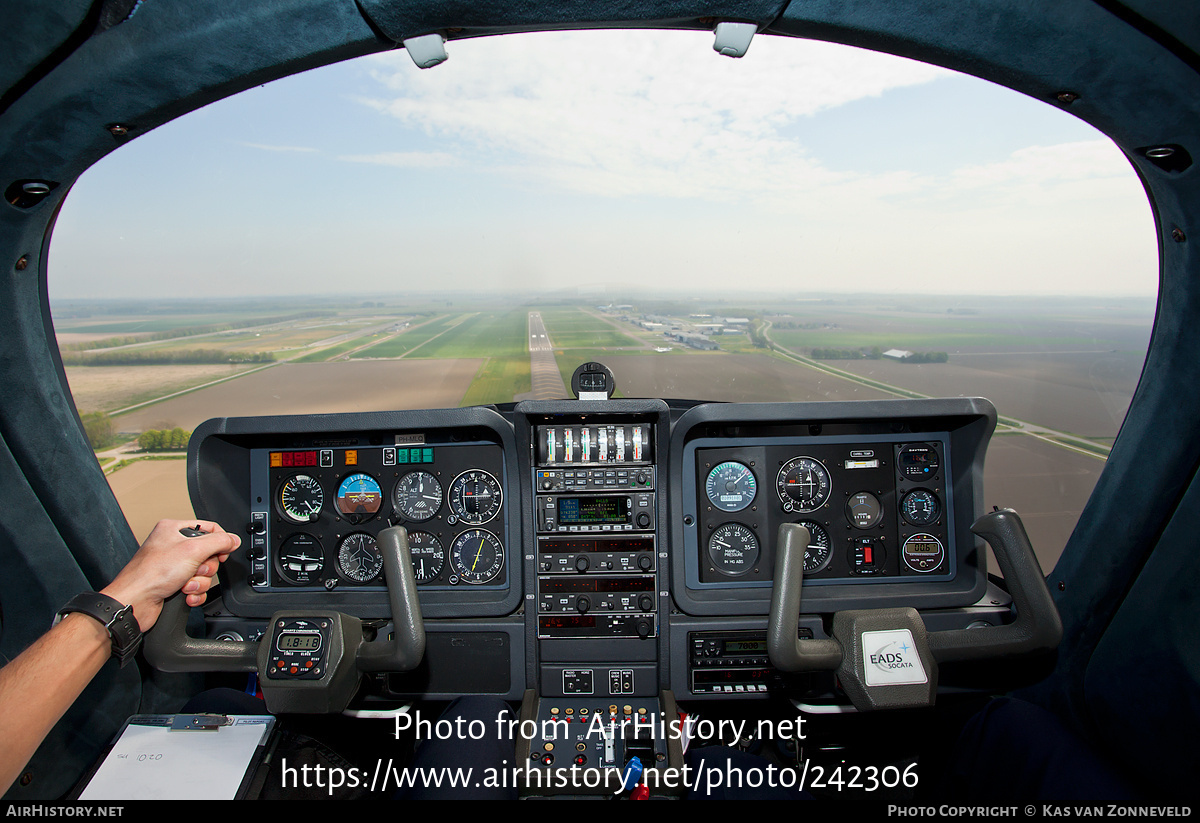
<point>118,619</point>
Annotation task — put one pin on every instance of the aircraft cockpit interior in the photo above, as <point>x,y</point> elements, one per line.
<point>835,577</point>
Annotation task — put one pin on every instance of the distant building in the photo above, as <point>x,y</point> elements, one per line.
<point>897,354</point>
<point>695,341</point>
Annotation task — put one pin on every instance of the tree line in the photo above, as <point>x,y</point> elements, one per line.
<point>152,357</point>
<point>156,440</point>
<point>98,427</point>
<point>876,353</point>
<point>191,331</point>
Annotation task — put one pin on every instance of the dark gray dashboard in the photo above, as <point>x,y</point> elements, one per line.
<point>598,547</point>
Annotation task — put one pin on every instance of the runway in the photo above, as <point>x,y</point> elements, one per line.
<point>547,380</point>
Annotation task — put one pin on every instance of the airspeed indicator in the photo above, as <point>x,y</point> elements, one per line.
<point>301,498</point>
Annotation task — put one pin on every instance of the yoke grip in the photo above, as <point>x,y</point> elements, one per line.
<point>407,648</point>
<point>787,652</point>
<point>169,648</point>
<point>1038,627</point>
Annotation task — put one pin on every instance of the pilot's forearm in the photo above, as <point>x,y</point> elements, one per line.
<point>39,686</point>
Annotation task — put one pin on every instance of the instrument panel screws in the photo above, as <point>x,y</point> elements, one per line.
<point>117,130</point>
<point>23,262</point>
<point>26,778</point>
<point>1177,235</point>
<point>1067,97</point>
<point>1062,586</point>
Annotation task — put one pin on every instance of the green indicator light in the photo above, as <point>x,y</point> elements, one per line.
<point>401,455</point>
<point>426,455</point>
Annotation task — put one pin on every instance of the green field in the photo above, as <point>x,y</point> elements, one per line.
<point>499,381</point>
<point>406,341</point>
<point>576,329</point>
<point>486,334</point>
<point>147,324</point>
<point>331,352</point>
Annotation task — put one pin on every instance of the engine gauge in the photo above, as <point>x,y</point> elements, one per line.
<point>359,558</point>
<point>359,495</point>
<point>819,552</point>
<point>731,486</point>
<point>300,560</point>
<point>918,461</point>
<point>474,497</point>
<point>920,507</point>
<point>733,549</point>
<point>477,556</point>
<point>417,496</point>
<point>428,556</point>
<point>803,484</point>
<point>301,498</point>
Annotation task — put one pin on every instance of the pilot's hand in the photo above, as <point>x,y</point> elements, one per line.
<point>168,563</point>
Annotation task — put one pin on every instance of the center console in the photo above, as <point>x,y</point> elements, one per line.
<point>599,584</point>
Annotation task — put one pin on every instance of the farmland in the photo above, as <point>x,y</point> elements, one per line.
<point>1069,369</point>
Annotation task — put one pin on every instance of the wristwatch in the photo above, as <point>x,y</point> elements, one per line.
<point>118,619</point>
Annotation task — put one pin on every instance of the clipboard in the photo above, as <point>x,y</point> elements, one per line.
<point>183,757</point>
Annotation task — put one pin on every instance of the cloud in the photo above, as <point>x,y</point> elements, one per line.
<point>266,147</point>
<point>640,112</point>
<point>405,159</point>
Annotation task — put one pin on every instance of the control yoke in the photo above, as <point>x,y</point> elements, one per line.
<point>870,649</point>
<point>332,641</point>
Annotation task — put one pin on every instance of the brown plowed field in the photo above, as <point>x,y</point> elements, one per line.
<point>315,388</point>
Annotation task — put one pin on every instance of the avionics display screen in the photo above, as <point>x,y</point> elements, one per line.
<point>296,642</point>
<point>593,510</point>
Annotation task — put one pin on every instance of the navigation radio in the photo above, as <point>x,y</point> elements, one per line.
<point>596,531</point>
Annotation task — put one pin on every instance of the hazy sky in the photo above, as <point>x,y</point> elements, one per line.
<point>561,160</point>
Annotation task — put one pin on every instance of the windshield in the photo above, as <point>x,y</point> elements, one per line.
<point>810,222</point>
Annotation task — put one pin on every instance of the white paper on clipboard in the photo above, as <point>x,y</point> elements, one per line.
<point>151,761</point>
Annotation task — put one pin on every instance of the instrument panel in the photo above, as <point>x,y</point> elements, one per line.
<point>877,508</point>
<point>616,546</point>
<point>327,505</point>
